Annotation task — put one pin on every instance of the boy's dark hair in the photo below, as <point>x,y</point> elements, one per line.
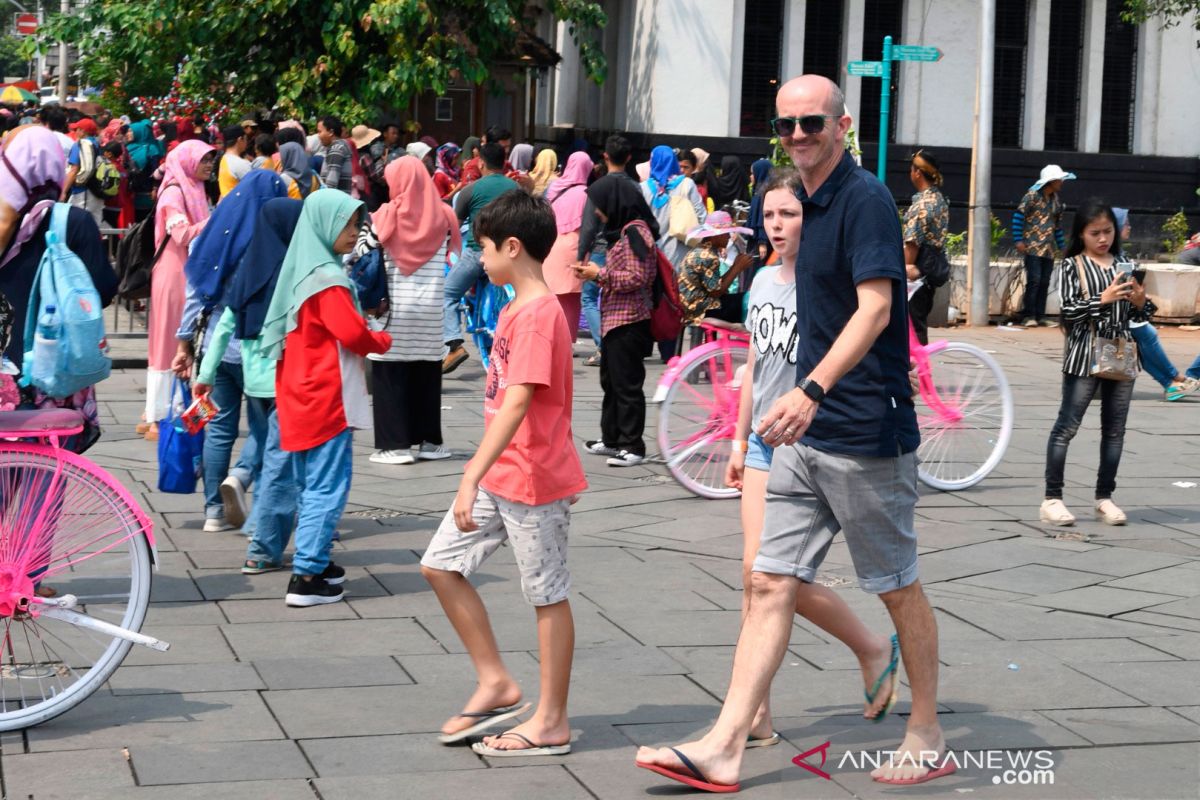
<point>264,145</point>
<point>332,124</point>
<point>231,133</point>
<point>618,149</point>
<point>492,154</point>
<point>113,149</point>
<point>289,134</point>
<point>55,118</point>
<point>497,134</point>
<point>517,215</point>
<point>383,128</point>
<point>1089,212</point>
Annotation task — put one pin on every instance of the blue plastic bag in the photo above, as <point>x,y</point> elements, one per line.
<point>179,452</point>
<point>370,279</point>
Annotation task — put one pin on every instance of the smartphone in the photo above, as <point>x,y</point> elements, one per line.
<point>1139,275</point>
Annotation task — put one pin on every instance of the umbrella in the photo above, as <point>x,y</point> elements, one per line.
<point>16,95</point>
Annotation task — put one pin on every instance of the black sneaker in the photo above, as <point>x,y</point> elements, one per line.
<point>303,593</point>
<point>599,448</point>
<point>333,574</point>
<point>624,458</point>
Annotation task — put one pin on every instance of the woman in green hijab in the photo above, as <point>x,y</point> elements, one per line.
<point>315,329</point>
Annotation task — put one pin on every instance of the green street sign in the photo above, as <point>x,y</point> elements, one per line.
<point>865,69</point>
<point>915,52</point>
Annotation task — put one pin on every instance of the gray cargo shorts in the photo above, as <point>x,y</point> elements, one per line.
<point>811,495</point>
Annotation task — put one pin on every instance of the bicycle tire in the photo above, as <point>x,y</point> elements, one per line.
<point>957,454</point>
<point>98,551</point>
<point>694,427</point>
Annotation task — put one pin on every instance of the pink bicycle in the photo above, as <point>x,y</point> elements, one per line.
<point>76,554</point>
<point>964,410</point>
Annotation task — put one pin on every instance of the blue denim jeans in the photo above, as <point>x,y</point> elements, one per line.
<point>1154,358</point>
<point>590,299</point>
<point>1038,270</point>
<point>275,500</point>
<point>221,433</point>
<point>1114,409</point>
<point>463,275</point>
<point>323,474</point>
<point>1194,370</point>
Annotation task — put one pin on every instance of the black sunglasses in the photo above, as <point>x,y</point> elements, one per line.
<point>811,124</point>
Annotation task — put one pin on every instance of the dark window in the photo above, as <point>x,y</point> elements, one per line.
<point>762,48</point>
<point>1062,79</point>
<point>1008,98</point>
<point>823,39</point>
<point>1120,81</point>
<point>882,18</point>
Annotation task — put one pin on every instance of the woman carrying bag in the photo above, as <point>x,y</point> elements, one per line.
<point>1099,299</point>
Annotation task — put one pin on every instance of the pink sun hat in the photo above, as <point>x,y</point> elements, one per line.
<point>718,223</point>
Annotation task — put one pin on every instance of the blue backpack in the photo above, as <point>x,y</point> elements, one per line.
<point>63,281</point>
<point>369,276</point>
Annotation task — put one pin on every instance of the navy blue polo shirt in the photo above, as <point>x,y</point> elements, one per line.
<point>852,234</point>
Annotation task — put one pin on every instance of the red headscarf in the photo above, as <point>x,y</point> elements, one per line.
<point>415,222</point>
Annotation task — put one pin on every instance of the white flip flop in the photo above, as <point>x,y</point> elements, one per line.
<point>765,741</point>
<point>523,752</point>
<point>486,720</point>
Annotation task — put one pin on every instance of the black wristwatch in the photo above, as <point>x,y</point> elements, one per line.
<point>812,389</point>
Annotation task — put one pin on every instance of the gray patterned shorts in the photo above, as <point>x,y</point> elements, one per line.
<point>538,535</point>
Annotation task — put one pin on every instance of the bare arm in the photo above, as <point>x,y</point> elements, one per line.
<point>517,399</point>
<point>737,459</point>
<point>791,414</point>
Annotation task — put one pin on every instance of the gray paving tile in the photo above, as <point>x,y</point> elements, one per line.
<point>85,775</point>
<point>387,755</point>
<point>1118,561</point>
<point>351,637</point>
<point>231,790</point>
<point>1101,600</point>
<point>320,672</point>
<point>1160,683</point>
<point>1127,725</point>
<point>519,782</point>
<point>275,610</point>
<point>994,687</point>
<point>1035,579</point>
<point>209,762</point>
<point>1183,645</point>
<point>190,644</point>
<point>220,677</point>
<point>1087,651</point>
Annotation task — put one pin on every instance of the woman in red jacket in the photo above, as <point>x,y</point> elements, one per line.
<point>316,331</point>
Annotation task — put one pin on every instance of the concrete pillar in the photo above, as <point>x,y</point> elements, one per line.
<point>566,76</point>
<point>737,45</point>
<point>908,94</point>
<point>1091,87</point>
<point>1037,72</point>
<point>1145,106</point>
<point>852,36</point>
<point>792,63</point>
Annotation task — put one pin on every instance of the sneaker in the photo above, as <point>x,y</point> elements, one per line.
<point>1055,512</point>
<point>392,457</point>
<point>1108,513</point>
<point>456,356</point>
<point>252,567</point>
<point>303,593</point>
<point>624,458</point>
<point>1178,391</point>
<point>217,525</point>
<point>233,495</point>
<point>333,574</point>
<point>1048,323</point>
<point>598,448</point>
<point>593,360</point>
<point>433,452</point>
<point>1030,323</point>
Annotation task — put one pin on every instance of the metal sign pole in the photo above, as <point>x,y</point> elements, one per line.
<point>979,242</point>
<point>885,108</point>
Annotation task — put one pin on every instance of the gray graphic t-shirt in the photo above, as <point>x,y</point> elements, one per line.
<point>772,323</point>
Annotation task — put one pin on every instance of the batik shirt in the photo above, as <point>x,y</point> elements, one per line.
<point>699,277</point>
<point>1038,222</point>
<point>927,219</point>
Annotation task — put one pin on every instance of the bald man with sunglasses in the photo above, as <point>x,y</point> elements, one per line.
<point>845,457</point>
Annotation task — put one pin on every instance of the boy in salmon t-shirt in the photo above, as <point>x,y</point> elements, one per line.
<point>518,487</point>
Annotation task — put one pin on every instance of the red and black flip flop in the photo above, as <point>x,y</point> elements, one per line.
<point>696,780</point>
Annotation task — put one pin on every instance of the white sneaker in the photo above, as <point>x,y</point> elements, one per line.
<point>233,495</point>
<point>1055,512</point>
<point>598,448</point>
<point>433,452</point>
<point>1108,513</point>
<point>393,457</point>
<point>624,458</point>
<point>217,525</point>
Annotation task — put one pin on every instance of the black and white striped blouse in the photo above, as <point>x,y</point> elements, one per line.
<point>1111,320</point>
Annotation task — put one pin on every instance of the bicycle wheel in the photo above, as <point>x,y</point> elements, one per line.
<point>697,419</point>
<point>65,525</point>
<point>966,420</point>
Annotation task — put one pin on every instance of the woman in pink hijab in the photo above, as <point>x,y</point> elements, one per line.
<point>180,216</point>
<point>568,196</point>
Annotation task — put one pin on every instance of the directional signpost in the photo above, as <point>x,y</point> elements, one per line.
<point>883,69</point>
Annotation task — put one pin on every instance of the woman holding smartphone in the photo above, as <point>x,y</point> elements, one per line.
<point>1099,297</point>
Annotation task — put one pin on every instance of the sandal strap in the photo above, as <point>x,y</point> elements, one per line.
<point>689,766</point>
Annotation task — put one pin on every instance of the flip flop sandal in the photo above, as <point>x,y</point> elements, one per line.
<point>948,767</point>
<point>764,741</point>
<point>889,670</point>
<point>486,720</point>
<point>696,779</point>
<point>521,752</point>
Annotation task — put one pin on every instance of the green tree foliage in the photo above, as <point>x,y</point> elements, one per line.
<point>346,57</point>
<point>1171,12</point>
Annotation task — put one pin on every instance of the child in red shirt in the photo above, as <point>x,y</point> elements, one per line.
<point>314,328</point>
<point>518,487</point>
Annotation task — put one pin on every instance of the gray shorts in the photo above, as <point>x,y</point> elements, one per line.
<point>811,495</point>
<point>538,535</point>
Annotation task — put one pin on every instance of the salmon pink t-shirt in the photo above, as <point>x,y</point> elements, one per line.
<point>540,464</point>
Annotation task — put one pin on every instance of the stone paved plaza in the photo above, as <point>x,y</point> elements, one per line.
<point>1084,643</point>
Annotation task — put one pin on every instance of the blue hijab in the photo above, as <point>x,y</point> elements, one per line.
<point>761,170</point>
<point>224,240</point>
<point>250,288</point>
<point>665,175</point>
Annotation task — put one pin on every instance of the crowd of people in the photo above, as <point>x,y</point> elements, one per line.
<point>259,236</point>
